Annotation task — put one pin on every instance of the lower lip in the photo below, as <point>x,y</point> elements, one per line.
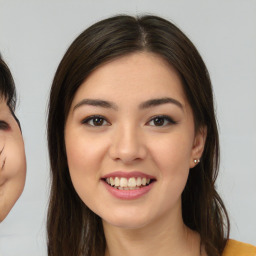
<point>128,194</point>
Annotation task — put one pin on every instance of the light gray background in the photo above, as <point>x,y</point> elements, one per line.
<point>33,38</point>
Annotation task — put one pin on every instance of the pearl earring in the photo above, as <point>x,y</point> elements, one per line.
<point>196,161</point>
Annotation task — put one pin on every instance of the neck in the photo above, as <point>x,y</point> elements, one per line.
<point>166,236</point>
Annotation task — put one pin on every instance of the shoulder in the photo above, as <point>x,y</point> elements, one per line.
<point>235,248</point>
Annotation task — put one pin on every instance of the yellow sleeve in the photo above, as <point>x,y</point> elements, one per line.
<point>235,248</point>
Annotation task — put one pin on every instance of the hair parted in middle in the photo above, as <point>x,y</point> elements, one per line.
<point>72,228</point>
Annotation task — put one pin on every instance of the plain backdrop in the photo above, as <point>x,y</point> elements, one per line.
<point>34,36</point>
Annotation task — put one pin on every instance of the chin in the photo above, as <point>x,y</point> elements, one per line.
<point>127,220</point>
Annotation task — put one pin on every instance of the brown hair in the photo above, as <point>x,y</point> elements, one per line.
<point>7,87</point>
<point>73,229</point>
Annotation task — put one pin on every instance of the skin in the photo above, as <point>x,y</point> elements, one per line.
<point>128,139</point>
<point>12,160</point>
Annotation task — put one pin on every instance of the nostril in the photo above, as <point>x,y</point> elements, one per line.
<point>127,149</point>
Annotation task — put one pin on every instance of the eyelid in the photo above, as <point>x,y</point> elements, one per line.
<point>89,118</point>
<point>3,125</point>
<point>166,117</point>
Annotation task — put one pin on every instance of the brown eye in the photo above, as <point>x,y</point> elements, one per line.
<point>161,121</point>
<point>95,121</point>
<point>4,126</point>
<point>158,121</point>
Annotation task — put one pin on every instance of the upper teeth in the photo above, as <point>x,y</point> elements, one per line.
<point>124,182</point>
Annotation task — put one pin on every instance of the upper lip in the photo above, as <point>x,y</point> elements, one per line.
<point>127,175</point>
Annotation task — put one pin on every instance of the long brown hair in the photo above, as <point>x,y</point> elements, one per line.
<point>73,229</point>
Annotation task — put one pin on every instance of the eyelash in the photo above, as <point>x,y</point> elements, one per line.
<point>165,118</point>
<point>4,126</point>
<point>94,117</point>
<point>91,118</point>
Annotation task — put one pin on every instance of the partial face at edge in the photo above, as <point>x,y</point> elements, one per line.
<point>12,160</point>
<point>125,132</point>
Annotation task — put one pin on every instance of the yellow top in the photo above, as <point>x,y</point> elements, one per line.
<point>235,248</point>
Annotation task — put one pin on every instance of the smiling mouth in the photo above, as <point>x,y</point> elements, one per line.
<point>132,183</point>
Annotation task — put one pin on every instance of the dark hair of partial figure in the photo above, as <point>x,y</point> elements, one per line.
<point>72,228</point>
<point>7,87</point>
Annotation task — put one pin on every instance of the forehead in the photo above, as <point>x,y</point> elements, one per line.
<point>4,109</point>
<point>137,76</point>
<point>3,104</point>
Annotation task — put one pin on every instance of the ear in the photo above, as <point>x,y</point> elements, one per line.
<point>198,146</point>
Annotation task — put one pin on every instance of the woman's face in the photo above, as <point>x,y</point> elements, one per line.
<point>12,160</point>
<point>129,125</point>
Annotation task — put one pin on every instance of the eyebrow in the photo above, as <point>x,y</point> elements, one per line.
<point>157,102</point>
<point>144,105</point>
<point>96,103</point>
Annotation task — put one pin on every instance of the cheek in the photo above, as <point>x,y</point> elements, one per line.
<point>14,159</point>
<point>171,155</point>
<point>172,152</point>
<point>84,155</point>
<point>12,176</point>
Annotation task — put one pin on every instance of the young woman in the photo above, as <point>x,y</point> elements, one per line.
<point>12,153</point>
<point>133,146</point>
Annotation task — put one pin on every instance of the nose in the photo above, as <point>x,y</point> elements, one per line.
<point>127,144</point>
